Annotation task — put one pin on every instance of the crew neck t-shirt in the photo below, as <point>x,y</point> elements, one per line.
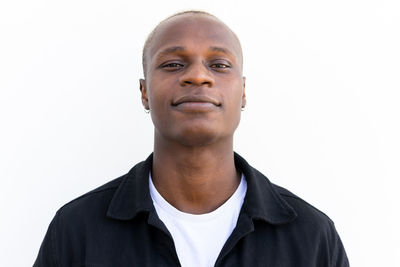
<point>199,238</point>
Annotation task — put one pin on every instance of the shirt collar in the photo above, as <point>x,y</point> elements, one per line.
<point>262,201</point>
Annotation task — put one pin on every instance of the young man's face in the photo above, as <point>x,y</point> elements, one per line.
<point>194,85</point>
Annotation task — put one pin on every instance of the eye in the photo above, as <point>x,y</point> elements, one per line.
<point>172,66</point>
<point>220,65</point>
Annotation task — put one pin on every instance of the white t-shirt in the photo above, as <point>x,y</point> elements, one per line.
<point>199,238</point>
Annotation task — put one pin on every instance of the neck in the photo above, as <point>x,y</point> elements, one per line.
<point>195,179</point>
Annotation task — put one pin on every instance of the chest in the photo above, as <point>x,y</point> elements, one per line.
<point>145,245</point>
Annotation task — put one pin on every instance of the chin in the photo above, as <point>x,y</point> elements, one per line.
<point>198,137</point>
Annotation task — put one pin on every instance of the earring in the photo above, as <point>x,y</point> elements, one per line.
<point>243,108</point>
<point>147,110</point>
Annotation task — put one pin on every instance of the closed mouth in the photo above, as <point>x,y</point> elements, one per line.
<point>196,99</point>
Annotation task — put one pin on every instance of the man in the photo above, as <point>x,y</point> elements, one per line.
<point>193,202</point>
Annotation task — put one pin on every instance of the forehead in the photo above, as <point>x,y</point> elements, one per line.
<point>196,31</point>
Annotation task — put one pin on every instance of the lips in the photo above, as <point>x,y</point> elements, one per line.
<point>196,99</point>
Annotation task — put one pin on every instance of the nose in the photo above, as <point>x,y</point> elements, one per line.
<point>196,74</point>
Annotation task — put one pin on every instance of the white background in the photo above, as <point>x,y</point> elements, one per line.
<point>322,117</point>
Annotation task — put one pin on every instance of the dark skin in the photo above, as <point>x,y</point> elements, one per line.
<point>195,90</point>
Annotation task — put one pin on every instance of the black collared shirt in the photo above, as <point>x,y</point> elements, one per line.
<point>116,225</point>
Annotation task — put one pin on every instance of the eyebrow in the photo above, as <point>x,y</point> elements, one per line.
<point>170,50</point>
<point>174,49</point>
<point>221,49</point>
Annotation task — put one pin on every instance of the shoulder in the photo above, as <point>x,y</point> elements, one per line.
<point>302,207</point>
<point>316,228</point>
<point>280,200</point>
<point>305,217</point>
<point>287,200</point>
<point>296,224</point>
<point>310,222</point>
<point>90,205</point>
<point>74,224</point>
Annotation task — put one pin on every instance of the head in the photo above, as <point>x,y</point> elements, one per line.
<point>190,12</point>
<point>193,85</point>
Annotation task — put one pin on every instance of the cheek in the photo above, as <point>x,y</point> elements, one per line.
<point>234,96</point>
<point>159,102</point>
<point>233,104</point>
<point>157,95</point>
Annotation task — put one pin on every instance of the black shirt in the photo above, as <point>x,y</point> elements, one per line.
<point>116,225</point>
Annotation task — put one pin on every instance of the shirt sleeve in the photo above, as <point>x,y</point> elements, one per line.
<point>47,253</point>
<point>339,258</point>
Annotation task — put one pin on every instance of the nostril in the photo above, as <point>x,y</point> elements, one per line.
<point>198,78</point>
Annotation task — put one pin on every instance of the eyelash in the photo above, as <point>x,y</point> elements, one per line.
<point>175,65</point>
<point>170,65</point>
<point>224,66</point>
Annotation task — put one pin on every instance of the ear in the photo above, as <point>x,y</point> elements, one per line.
<point>244,101</point>
<point>143,91</point>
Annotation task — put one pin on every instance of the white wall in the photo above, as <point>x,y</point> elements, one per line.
<point>322,117</point>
